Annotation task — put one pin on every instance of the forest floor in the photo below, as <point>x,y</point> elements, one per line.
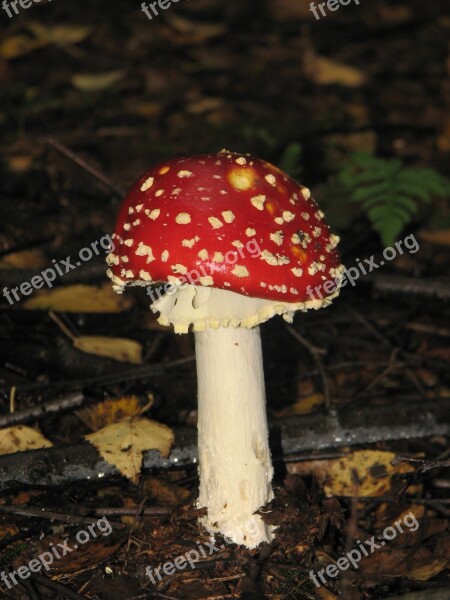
<point>91,96</point>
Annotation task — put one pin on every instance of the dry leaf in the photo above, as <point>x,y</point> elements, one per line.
<point>372,468</point>
<point>19,45</point>
<point>303,406</point>
<point>61,35</point>
<point>111,411</point>
<point>325,71</point>
<point>21,438</point>
<point>440,238</point>
<point>122,444</point>
<point>395,562</point>
<point>80,298</point>
<point>19,163</point>
<point>98,81</point>
<point>167,494</point>
<point>25,259</point>
<point>119,349</point>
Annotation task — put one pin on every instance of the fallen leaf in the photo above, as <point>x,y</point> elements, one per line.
<point>21,438</point>
<point>325,71</point>
<point>372,468</point>
<point>122,444</point>
<point>19,45</point>
<point>119,349</point>
<point>80,298</point>
<point>303,406</point>
<point>97,82</point>
<point>395,562</point>
<point>19,163</point>
<point>61,35</point>
<point>25,259</point>
<point>7,530</point>
<point>440,238</point>
<point>166,493</point>
<point>200,31</point>
<point>110,411</point>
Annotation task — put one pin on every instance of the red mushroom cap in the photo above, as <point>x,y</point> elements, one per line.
<point>238,220</point>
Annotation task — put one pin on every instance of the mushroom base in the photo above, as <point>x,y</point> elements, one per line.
<point>234,458</point>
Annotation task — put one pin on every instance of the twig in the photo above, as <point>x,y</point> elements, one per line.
<point>36,412</point>
<point>118,377</point>
<point>53,516</point>
<point>315,353</point>
<point>422,464</point>
<point>93,172</point>
<point>31,591</point>
<point>57,587</point>
<point>411,286</point>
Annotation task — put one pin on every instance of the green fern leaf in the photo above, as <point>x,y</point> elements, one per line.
<point>389,193</point>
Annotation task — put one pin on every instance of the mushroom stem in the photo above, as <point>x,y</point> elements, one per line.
<point>234,458</point>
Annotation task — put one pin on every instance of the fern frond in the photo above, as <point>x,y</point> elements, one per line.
<point>390,193</point>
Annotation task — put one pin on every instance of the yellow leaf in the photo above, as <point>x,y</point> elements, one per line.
<point>425,572</point>
<point>61,35</point>
<point>21,438</point>
<point>110,411</point>
<point>80,298</point>
<point>25,259</point>
<point>122,444</point>
<point>303,406</point>
<point>119,349</point>
<point>96,82</point>
<point>19,45</point>
<point>324,71</point>
<point>372,469</point>
<point>373,472</point>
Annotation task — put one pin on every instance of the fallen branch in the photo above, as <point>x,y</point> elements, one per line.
<point>81,463</point>
<point>411,286</point>
<point>36,412</point>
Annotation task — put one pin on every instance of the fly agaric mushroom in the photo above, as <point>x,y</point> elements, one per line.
<point>236,241</point>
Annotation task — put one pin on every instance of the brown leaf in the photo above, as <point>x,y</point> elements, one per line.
<point>111,411</point>
<point>325,71</point>
<point>440,238</point>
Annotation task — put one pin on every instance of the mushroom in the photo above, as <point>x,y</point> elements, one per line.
<point>236,241</point>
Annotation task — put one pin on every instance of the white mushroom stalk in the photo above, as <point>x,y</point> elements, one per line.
<point>234,457</point>
<point>235,467</point>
